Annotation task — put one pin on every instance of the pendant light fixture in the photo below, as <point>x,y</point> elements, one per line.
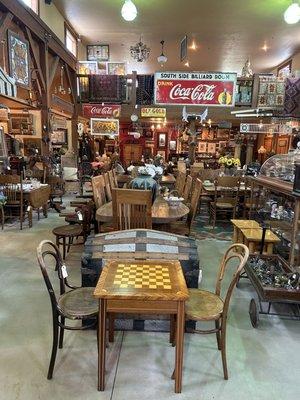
<point>140,52</point>
<point>129,11</point>
<point>292,13</point>
<point>162,59</point>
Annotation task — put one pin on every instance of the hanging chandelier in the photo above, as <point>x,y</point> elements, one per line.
<point>140,52</point>
<point>162,59</point>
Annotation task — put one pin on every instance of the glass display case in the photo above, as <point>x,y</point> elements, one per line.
<point>281,166</point>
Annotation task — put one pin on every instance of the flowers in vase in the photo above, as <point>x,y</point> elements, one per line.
<point>229,162</point>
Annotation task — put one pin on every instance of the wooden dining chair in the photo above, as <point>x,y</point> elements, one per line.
<point>226,196</point>
<point>180,182</point>
<point>57,185</point>
<point>11,186</point>
<point>187,188</point>
<point>98,186</point>
<point>107,186</point>
<point>112,179</point>
<point>184,227</point>
<point>131,209</point>
<point>78,303</point>
<point>207,306</point>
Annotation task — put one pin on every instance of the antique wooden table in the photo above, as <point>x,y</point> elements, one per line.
<point>253,237</point>
<point>162,213</point>
<point>211,188</point>
<point>239,224</point>
<point>165,180</point>
<point>142,287</point>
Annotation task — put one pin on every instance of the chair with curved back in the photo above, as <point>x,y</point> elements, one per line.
<point>75,304</point>
<point>205,306</point>
<point>180,183</point>
<point>188,188</point>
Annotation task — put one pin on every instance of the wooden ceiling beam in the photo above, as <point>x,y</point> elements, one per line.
<point>53,70</point>
<point>38,28</point>
<point>35,58</point>
<point>4,24</point>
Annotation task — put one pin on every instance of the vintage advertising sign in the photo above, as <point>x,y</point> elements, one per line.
<point>101,111</point>
<point>151,112</point>
<point>104,126</point>
<point>195,88</point>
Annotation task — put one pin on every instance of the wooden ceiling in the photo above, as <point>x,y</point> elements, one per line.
<point>226,32</point>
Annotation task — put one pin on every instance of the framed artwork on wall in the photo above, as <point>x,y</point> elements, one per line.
<point>19,59</point>
<point>97,52</point>
<point>116,68</point>
<point>104,126</point>
<point>211,148</point>
<point>59,137</point>
<point>162,153</point>
<point>202,147</point>
<point>87,67</point>
<point>183,48</point>
<point>173,145</point>
<point>162,140</point>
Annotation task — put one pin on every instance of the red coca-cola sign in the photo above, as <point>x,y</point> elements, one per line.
<point>195,88</point>
<point>100,111</point>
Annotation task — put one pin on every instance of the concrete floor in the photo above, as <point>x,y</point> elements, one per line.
<point>263,363</point>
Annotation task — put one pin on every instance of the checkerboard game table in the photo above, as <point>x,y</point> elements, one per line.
<point>141,287</point>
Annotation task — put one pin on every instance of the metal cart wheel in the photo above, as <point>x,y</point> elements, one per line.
<point>253,313</point>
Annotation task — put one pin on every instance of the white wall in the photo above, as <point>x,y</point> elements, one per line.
<point>53,18</point>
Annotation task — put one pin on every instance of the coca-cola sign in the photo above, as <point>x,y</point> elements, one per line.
<point>99,110</point>
<point>198,88</point>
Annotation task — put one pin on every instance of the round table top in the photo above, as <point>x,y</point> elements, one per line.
<point>162,213</point>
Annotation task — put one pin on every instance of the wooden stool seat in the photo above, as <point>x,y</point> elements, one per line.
<point>253,237</point>
<point>239,224</point>
<point>203,306</point>
<point>78,303</point>
<point>67,230</point>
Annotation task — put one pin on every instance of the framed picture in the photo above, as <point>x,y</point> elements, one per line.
<point>21,124</point>
<point>32,146</point>
<point>19,60</point>
<point>87,67</point>
<point>59,137</point>
<point>97,52</point>
<point>3,147</point>
<point>162,140</point>
<point>183,48</point>
<point>222,145</point>
<point>285,69</point>
<point>104,126</point>
<point>173,145</point>
<point>202,147</point>
<point>102,68</point>
<point>211,148</point>
<point>162,153</point>
<point>116,68</point>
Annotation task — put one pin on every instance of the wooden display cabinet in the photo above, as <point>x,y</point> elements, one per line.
<point>289,230</point>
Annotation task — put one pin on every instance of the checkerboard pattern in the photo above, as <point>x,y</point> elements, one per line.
<point>142,276</point>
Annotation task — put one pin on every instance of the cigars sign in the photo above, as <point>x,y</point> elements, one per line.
<point>100,111</point>
<point>195,88</point>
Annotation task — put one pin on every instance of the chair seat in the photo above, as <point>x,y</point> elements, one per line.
<point>178,228</point>
<point>68,230</point>
<point>78,303</point>
<point>203,306</point>
<point>225,204</point>
<point>57,193</point>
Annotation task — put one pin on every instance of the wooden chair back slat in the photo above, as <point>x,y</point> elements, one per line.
<point>131,209</point>
<point>107,186</point>
<point>98,186</point>
<point>187,188</point>
<point>180,182</point>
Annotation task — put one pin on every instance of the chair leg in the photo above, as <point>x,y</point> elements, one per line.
<point>69,244</point>
<point>111,325</point>
<point>54,346</point>
<point>223,350</point>
<point>64,247</point>
<point>61,333</point>
<point>217,324</point>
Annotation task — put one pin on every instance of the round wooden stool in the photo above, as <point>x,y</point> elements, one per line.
<point>64,232</point>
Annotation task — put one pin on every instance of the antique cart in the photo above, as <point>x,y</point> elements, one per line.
<point>270,292</point>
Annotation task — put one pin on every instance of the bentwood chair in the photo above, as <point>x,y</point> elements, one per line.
<point>75,304</point>
<point>132,209</point>
<point>184,227</point>
<point>69,232</point>
<point>206,306</point>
